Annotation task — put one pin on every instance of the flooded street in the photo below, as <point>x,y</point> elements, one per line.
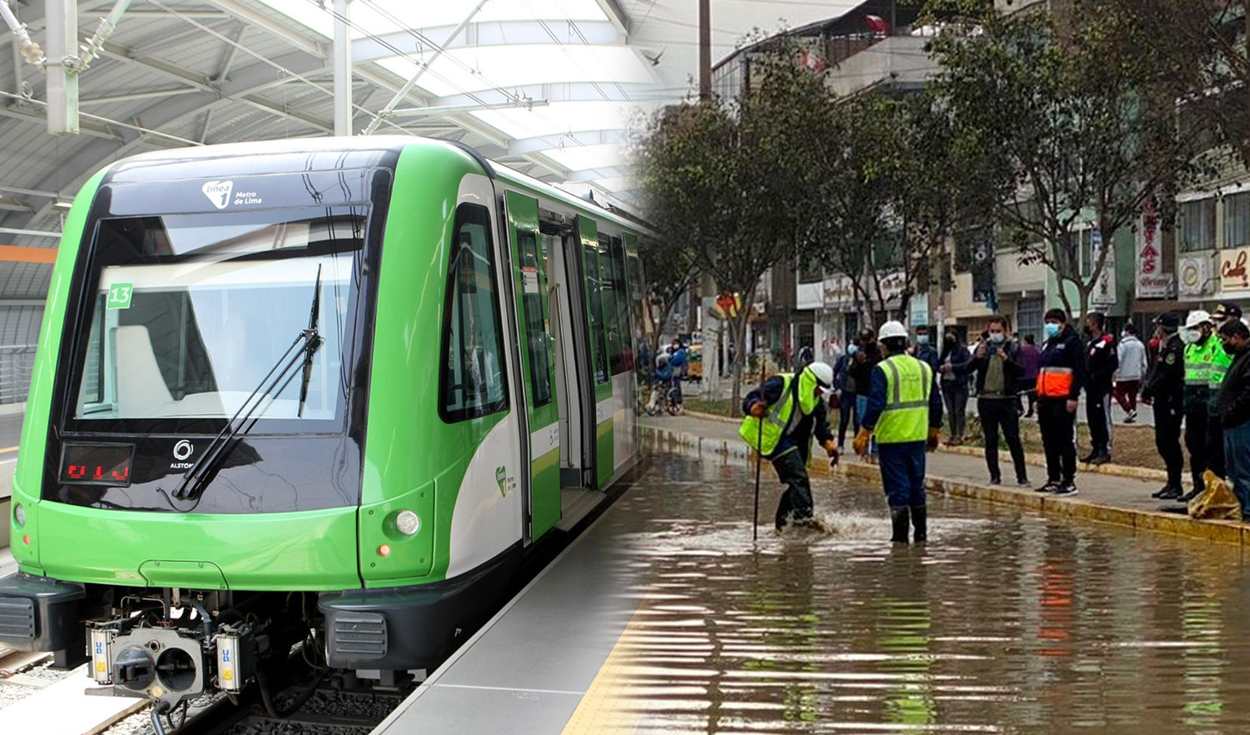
<point>1007,621</point>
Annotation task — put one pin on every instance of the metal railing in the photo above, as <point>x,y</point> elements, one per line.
<point>17,363</point>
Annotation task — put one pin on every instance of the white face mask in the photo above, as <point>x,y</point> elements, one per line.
<point>1190,336</point>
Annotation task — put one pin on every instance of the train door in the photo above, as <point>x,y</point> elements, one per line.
<point>534,336</point>
<point>598,379</point>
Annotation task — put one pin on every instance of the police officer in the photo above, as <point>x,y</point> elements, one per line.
<point>781,417</point>
<point>905,414</point>
<point>1164,385</point>
<point>1199,347</point>
<point>1220,362</point>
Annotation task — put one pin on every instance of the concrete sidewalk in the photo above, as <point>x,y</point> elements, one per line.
<point>1103,497</point>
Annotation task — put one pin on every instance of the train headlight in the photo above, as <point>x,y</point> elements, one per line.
<point>407,522</point>
<point>19,515</point>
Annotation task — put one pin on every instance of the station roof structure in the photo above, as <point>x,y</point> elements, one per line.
<point>550,87</point>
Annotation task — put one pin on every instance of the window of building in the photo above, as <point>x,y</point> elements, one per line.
<point>472,380</point>
<point>1197,225</point>
<point>533,301</point>
<point>1237,220</point>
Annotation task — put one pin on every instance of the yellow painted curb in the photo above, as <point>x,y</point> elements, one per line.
<point>1224,532</point>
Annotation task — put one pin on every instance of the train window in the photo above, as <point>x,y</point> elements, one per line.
<point>623,354</point>
<point>608,288</point>
<point>472,382</point>
<point>598,347</point>
<point>534,302</point>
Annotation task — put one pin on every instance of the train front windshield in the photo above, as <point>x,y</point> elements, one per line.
<point>190,313</point>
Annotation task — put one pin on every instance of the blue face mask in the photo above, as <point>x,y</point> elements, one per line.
<point>922,339</point>
<point>1052,329</point>
<point>852,349</point>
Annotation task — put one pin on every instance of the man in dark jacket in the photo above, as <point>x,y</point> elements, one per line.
<point>998,369</point>
<point>1101,362</point>
<point>1059,382</point>
<point>1232,407</point>
<point>1164,388</point>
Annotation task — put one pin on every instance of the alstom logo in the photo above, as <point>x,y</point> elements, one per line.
<point>218,192</point>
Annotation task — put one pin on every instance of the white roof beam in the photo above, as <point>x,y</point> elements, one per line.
<point>493,33</point>
<point>271,26</point>
<point>607,172</point>
<point>557,141</point>
<point>564,92</point>
<point>616,14</point>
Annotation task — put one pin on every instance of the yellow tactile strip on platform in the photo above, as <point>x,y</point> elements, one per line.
<point>1225,532</point>
<point>607,707</point>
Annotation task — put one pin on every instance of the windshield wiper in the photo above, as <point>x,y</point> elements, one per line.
<point>308,354</point>
<point>305,344</point>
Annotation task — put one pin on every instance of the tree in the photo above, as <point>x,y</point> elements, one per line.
<point>1204,46</point>
<point>1082,134</point>
<point>670,269</point>
<point>726,181</point>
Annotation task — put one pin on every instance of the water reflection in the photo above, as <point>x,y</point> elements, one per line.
<point>1006,622</point>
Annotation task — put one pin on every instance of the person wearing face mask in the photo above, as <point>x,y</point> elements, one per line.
<point>925,351</point>
<point>781,417</point>
<point>1100,366</point>
<point>1220,362</point>
<point>996,362</point>
<point>1232,410</point>
<point>953,367</point>
<point>844,389</point>
<point>1060,378</point>
<point>1199,347</point>
<point>1163,389</point>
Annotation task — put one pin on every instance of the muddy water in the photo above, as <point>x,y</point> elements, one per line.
<point>1006,621</point>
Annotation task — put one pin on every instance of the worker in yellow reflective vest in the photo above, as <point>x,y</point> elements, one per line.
<point>782,415</point>
<point>905,414</point>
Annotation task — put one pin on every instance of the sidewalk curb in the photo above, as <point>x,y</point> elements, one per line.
<point>1224,532</point>
<point>1032,458</point>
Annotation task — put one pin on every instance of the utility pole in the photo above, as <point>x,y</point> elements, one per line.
<point>342,68</point>
<point>705,50</point>
<point>63,65</point>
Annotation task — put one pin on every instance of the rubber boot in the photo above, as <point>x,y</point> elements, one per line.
<point>919,519</point>
<point>899,517</point>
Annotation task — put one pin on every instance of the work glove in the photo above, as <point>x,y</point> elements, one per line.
<point>932,443</point>
<point>861,441</point>
<point>758,409</point>
<point>831,448</point>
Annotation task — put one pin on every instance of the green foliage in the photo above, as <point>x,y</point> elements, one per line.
<point>1077,128</point>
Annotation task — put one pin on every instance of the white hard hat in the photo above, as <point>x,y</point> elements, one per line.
<point>1196,317</point>
<point>823,373</point>
<point>892,329</point>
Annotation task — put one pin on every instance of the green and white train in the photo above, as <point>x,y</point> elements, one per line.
<point>330,391</point>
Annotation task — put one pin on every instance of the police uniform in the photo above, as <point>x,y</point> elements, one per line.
<point>783,436</point>
<point>904,403</point>
<point>1165,383</point>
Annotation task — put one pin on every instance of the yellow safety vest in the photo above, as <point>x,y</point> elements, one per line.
<point>908,384</point>
<point>1198,364</point>
<point>775,423</point>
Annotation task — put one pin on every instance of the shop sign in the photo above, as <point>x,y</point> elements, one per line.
<point>839,292</point>
<point>919,310</point>
<point>1194,276</point>
<point>1234,269</point>
<point>1152,282</point>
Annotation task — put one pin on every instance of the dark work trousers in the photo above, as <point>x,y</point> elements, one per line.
<point>796,500</point>
<point>1215,447</point>
<point>1002,413</point>
<point>1196,442</point>
<point>902,473</point>
<point>1098,413</point>
<point>847,416</point>
<point>1168,440</point>
<point>1058,437</point>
